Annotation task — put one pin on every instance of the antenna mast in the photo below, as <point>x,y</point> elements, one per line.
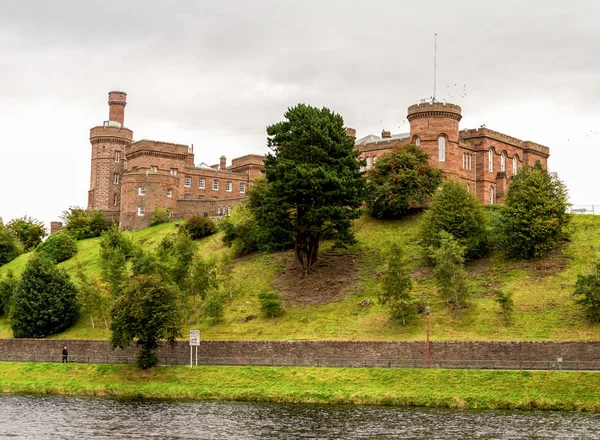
<point>434,64</point>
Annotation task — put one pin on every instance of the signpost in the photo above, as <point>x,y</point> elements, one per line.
<point>194,342</point>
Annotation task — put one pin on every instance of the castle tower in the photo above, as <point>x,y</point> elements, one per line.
<point>434,127</point>
<point>109,141</point>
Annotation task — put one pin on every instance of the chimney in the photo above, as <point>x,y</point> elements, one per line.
<point>386,134</point>
<point>351,132</point>
<point>223,163</point>
<point>117,101</point>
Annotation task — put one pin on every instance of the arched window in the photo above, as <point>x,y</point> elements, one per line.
<point>229,210</point>
<point>515,164</point>
<point>491,160</point>
<point>219,211</point>
<point>491,196</point>
<point>503,162</point>
<point>418,141</point>
<point>368,162</point>
<point>442,148</point>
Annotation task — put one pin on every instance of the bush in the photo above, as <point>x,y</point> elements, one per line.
<point>587,289</point>
<point>449,271</point>
<point>506,303</point>
<point>239,231</point>
<point>198,227</point>
<point>58,247</point>
<point>10,246</point>
<point>458,212</point>
<point>29,231</point>
<point>396,286</point>
<point>8,286</point>
<point>213,307</point>
<point>81,223</point>
<point>160,215</point>
<point>45,301</point>
<point>534,215</point>
<point>401,180</point>
<point>270,304</point>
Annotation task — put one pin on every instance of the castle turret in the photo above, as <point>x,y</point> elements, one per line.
<point>434,127</point>
<point>109,141</point>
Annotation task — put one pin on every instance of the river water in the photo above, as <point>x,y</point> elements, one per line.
<point>54,417</point>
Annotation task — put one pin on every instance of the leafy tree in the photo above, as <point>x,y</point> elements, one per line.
<point>506,303</point>
<point>58,247</point>
<point>450,275</point>
<point>160,215</point>
<point>29,231</point>
<point>534,215</point>
<point>587,289</point>
<point>270,304</point>
<point>401,180</point>
<point>8,286</point>
<point>45,301</point>
<point>148,311</point>
<point>458,212</point>
<point>396,287</point>
<point>81,223</point>
<point>92,297</point>
<point>198,227</point>
<point>10,246</point>
<point>115,248</point>
<point>213,306</point>
<point>239,231</point>
<point>314,178</point>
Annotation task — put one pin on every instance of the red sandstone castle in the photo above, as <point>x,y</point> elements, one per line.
<point>129,180</point>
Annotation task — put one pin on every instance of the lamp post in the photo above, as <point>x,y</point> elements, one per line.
<point>427,309</point>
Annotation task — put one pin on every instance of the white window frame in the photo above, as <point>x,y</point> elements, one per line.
<point>115,199</point>
<point>228,186</point>
<point>201,197</point>
<point>154,168</point>
<point>491,160</point>
<point>202,183</point>
<point>215,184</point>
<point>218,211</point>
<point>141,191</point>
<point>503,162</point>
<point>442,149</point>
<point>242,187</point>
<point>418,141</point>
<point>229,210</point>
<point>491,195</point>
<point>141,211</point>
<point>515,164</point>
<point>169,193</point>
<point>369,162</point>
<point>188,181</point>
<point>374,160</point>
<point>173,172</point>
<point>116,179</point>
<point>117,156</point>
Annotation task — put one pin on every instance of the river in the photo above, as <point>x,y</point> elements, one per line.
<point>53,417</point>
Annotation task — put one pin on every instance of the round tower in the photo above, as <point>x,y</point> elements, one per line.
<point>434,127</point>
<point>109,141</point>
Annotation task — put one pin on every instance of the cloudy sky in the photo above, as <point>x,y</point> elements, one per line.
<point>216,73</point>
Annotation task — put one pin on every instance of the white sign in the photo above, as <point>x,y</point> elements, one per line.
<point>194,337</point>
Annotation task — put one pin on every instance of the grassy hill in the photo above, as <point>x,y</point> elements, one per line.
<point>334,303</point>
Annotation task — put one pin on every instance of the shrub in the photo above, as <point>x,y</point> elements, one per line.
<point>8,286</point>
<point>506,303</point>
<point>239,231</point>
<point>534,215</point>
<point>58,247</point>
<point>115,248</point>
<point>10,246</point>
<point>45,301</point>
<point>81,223</point>
<point>198,227</point>
<point>458,212</point>
<point>401,180</point>
<point>213,307</point>
<point>587,289</point>
<point>161,214</point>
<point>396,286</point>
<point>29,231</point>
<point>449,271</point>
<point>270,304</point>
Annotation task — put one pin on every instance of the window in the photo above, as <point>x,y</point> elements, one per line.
<point>200,197</point>
<point>169,192</point>
<point>442,148</point>
<point>467,164</point>
<point>116,179</point>
<point>368,162</point>
<point>242,188</point>
<point>142,191</point>
<point>503,162</point>
<point>470,161</point>
<point>464,160</point>
<point>418,141</point>
<point>491,160</point>
<point>202,183</point>
<point>115,199</point>
<point>515,164</point>
<point>154,168</point>
<point>229,210</point>
<point>117,156</point>
<point>228,186</point>
<point>374,160</point>
<point>491,196</point>
<point>216,184</point>
<point>188,181</point>
<point>186,196</point>
<point>141,211</point>
<point>219,211</point>
<point>173,172</point>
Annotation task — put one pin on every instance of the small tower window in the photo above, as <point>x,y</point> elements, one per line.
<point>418,141</point>
<point>188,181</point>
<point>491,160</point>
<point>219,211</point>
<point>116,179</point>
<point>491,196</point>
<point>169,192</point>
<point>140,211</point>
<point>142,191</point>
<point>216,184</point>
<point>186,196</point>
<point>154,169</point>
<point>368,162</point>
<point>503,162</point>
<point>442,148</point>
<point>115,199</point>
<point>515,164</point>
<point>202,183</point>
<point>242,188</point>
<point>117,156</point>
<point>173,172</point>
<point>228,186</point>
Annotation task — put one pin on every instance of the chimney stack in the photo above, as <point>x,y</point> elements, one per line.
<point>117,101</point>
<point>351,132</point>
<point>223,163</point>
<point>386,134</point>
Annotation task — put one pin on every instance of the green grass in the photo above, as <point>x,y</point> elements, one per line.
<point>441,388</point>
<point>542,291</point>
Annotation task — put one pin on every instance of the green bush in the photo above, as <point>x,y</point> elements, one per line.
<point>534,215</point>
<point>8,286</point>
<point>161,214</point>
<point>270,304</point>
<point>587,289</point>
<point>81,223</point>
<point>396,287</point>
<point>458,212</point>
<point>239,231</point>
<point>213,307</point>
<point>10,246</point>
<point>198,227</point>
<point>29,231</point>
<point>45,301</point>
<point>506,303</point>
<point>58,247</point>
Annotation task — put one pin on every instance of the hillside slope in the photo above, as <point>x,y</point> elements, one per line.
<point>335,304</point>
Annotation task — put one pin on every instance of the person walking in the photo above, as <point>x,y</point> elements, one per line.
<point>65,353</point>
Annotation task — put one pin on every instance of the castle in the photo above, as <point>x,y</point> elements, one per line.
<point>129,180</point>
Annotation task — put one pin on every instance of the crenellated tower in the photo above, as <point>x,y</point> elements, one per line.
<point>108,142</point>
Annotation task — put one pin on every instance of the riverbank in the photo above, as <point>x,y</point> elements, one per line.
<point>431,388</point>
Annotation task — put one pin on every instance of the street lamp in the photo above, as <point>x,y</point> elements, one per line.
<point>427,309</point>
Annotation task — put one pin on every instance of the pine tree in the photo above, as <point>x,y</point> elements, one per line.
<point>396,287</point>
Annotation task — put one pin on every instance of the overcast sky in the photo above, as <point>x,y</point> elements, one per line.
<point>216,73</point>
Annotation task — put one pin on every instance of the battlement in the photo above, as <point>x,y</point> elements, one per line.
<point>110,132</point>
<point>150,146</point>
<point>474,133</point>
<point>248,159</point>
<point>434,109</point>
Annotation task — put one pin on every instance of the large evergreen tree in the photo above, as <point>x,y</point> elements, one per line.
<point>315,178</point>
<point>401,180</point>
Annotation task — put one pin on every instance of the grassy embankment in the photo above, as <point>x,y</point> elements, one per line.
<point>441,388</point>
<point>542,291</point>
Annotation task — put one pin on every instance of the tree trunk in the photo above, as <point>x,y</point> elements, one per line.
<point>92,318</point>
<point>306,252</point>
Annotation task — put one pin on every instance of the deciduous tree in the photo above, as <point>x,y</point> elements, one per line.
<point>28,230</point>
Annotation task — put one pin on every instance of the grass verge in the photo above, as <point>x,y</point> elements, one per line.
<point>430,388</point>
